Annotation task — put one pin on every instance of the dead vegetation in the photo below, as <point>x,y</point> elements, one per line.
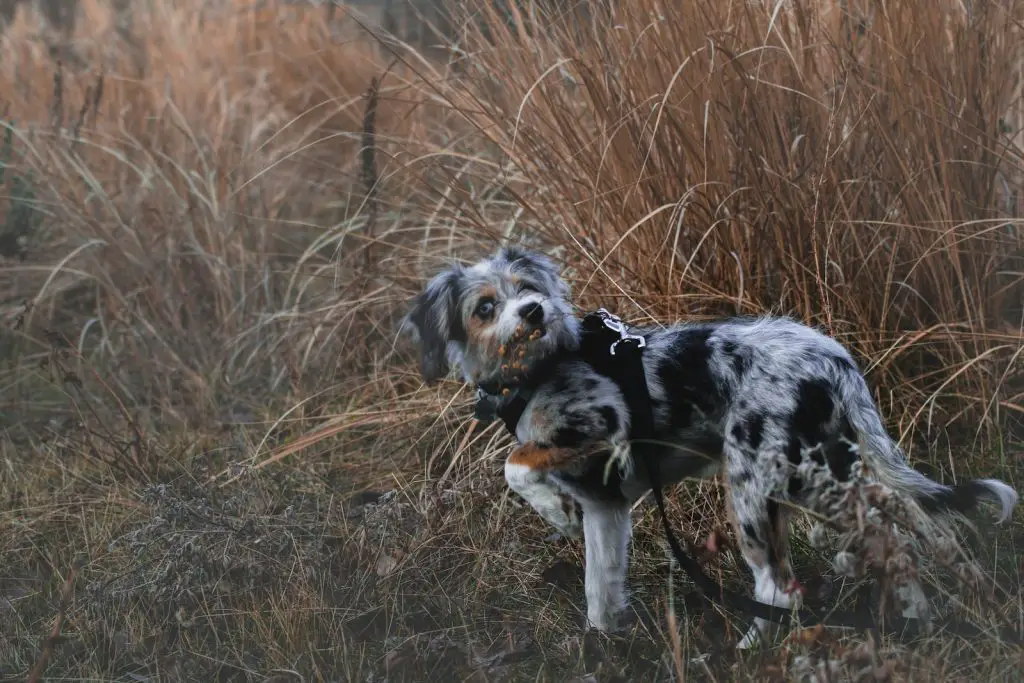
<point>218,462</point>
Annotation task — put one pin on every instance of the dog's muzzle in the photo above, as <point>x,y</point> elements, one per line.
<point>532,314</point>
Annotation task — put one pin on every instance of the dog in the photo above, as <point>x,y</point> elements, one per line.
<point>743,396</point>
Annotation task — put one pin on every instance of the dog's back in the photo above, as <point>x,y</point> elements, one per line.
<point>776,379</point>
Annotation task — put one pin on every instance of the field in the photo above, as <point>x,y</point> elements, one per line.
<point>218,461</point>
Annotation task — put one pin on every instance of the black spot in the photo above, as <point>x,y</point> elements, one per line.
<point>794,452</point>
<point>686,375</point>
<point>705,441</point>
<point>814,407</point>
<point>841,456</point>
<point>592,479</point>
<point>793,449</point>
<point>750,531</point>
<point>436,304</point>
<point>737,433</point>
<point>568,437</point>
<point>755,430</point>
<point>742,405</point>
<point>962,498</point>
<point>457,331</point>
<point>795,486</point>
<point>440,296</point>
<point>529,266</point>
<point>581,422</point>
<point>590,384</point>
<point>740,478</point>
<point>611,419</point>
<point>575,418</point>
<point>739,358</point>
<point>518,256</point>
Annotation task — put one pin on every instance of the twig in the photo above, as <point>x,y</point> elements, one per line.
<point>51,641</point>
<point>57,107</point>
<point>368,155</point>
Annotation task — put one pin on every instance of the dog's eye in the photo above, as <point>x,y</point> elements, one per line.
<point>484,309</point>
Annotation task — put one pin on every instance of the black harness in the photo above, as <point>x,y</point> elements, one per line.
<point>607,346</point>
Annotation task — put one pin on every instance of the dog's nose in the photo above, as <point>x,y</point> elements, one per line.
<point>532,313</point>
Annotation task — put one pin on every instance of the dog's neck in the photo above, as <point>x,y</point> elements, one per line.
<point>506,397</point>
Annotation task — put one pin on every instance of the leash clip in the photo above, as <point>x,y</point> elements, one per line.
<point>614,323</point>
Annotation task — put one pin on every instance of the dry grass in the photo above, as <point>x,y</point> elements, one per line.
<point>201,373</point>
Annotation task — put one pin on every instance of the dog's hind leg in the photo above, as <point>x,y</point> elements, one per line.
<point>761,522</point>
<point>527,473</point>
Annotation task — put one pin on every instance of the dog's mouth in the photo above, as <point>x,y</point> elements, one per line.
<point>525,334</point>
<point>515,353</point>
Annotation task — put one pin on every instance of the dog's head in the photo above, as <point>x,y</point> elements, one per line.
<point>471,316</point>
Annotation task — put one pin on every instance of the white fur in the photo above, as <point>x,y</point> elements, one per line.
<point>765,591</point>
<point>551,503</point>
<point>1008,498</point>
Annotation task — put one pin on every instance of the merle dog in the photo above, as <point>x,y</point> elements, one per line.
<point>746,396</point>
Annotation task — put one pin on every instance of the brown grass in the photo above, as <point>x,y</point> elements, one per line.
<point>201,371</point>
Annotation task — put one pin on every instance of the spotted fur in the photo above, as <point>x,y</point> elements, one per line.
<point>748,397</point>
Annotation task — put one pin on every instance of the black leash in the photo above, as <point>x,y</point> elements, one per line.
<point>607,345</point>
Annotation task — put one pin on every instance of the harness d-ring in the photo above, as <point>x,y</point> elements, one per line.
<point>614,323</point>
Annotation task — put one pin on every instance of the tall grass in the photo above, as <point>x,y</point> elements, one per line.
<point>197,167</point>
<point>858,169</point>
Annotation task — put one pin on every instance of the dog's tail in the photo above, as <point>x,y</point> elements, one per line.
<point>890,465</point>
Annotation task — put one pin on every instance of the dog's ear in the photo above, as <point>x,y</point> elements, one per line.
<point>535,266</point>
<point>434,322</point>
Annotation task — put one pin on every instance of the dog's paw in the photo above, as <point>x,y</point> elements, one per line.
<point>610,622</point>
<point>762,634</point>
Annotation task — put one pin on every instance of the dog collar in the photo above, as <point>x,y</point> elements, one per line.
<point>509,407</point>
<point>508,401</point>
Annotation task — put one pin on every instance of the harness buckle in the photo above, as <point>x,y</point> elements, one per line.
<point>614,323</point>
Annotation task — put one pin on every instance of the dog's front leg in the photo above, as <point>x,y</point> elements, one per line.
<point>527,473</point>
<point>607,528</point>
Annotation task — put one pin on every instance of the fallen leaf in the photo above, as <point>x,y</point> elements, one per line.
<point>386,564</point>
